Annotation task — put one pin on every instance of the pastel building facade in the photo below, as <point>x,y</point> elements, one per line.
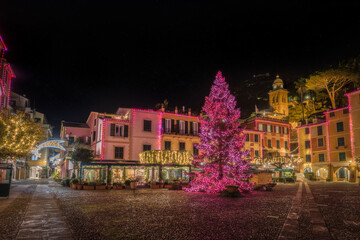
<point>71,132</point>
<point>253,143</point>
<point>118,139</point>
<point>275,134</point>
<point>123,136</point>
<point>6,75</point>
<point>180,132</point>
<point>313,148</point>
<point>330,148</point>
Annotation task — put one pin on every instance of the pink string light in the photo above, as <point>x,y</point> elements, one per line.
<point>222,140</point>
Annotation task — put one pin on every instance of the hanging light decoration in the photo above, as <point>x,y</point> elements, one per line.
<point>166,157</point>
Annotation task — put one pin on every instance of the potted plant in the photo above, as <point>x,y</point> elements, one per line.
<point>65,182</point>
<point>127,184</point>
<point>74,181</point>
<point>133,184</point>
<point>79,186</point>
<point>117,185</point>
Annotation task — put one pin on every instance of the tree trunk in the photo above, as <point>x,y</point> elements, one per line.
<point>221,174</point>
<point>333,104</point>
<point>302,105</point>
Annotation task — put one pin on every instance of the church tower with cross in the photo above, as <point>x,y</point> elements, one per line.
<point>278,97</point>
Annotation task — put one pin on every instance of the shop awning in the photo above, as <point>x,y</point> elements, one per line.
<point>283,170</point>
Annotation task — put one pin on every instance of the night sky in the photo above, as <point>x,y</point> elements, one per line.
<point>73,57</point>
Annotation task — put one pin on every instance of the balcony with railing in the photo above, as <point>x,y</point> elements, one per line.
<point>177,131</point>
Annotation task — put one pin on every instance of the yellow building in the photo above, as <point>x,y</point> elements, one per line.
<point>329,148</point>
<point>354,109</point>
<point>253,142</point>
<point>180,132</point>
<point>35,167</point>
<point>278,97</point>
<point>340,145</point>
<point>313,149</point>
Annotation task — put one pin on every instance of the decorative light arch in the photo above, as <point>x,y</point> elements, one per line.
<point>55,144</point>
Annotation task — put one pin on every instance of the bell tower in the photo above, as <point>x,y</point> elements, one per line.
<point>278,97</point>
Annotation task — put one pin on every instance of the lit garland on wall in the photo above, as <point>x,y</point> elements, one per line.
<point>165,157</point>
<point>278,161</point>
<point>351,128</point>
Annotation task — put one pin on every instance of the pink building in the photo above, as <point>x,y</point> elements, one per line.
<point>122,136</point>
<point>118,139</point>
<point>71,132</point>
<point>6,74</point>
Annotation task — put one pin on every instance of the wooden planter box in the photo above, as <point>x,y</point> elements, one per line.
<point>133,185</point>
<point>127,187</point>
<point>100,187</point>
<point>79,186</point>
<point>186,185</point>
<point>168,186</point>
<point>88,187</point>
<point>154,186</point>
<point>119,187</point>
<point>73,186</point>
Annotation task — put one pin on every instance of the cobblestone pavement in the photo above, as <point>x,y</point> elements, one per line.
<point>309,210</point>
<point>43,218</point>
<point>164,214</point>
<point>12,210</point>
<point>339,206</point>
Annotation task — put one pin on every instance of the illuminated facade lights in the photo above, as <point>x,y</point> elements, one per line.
<point>165,157</point>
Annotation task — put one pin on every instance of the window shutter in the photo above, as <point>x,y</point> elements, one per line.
<point>121,153</point>
<point>126,131</point>
<point>186,127</point>
<point>112,130</point>
<point>178,126</point>
<point>163,125</point>
<point>172,125</point>
<point>191,128</point>
<point>199,127</point>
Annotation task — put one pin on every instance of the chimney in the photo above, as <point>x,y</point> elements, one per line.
<point>183,109</point>
<point>189,111</point>
<point>176,110</point>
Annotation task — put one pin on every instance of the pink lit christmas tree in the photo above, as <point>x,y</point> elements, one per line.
<point>221,156</point>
